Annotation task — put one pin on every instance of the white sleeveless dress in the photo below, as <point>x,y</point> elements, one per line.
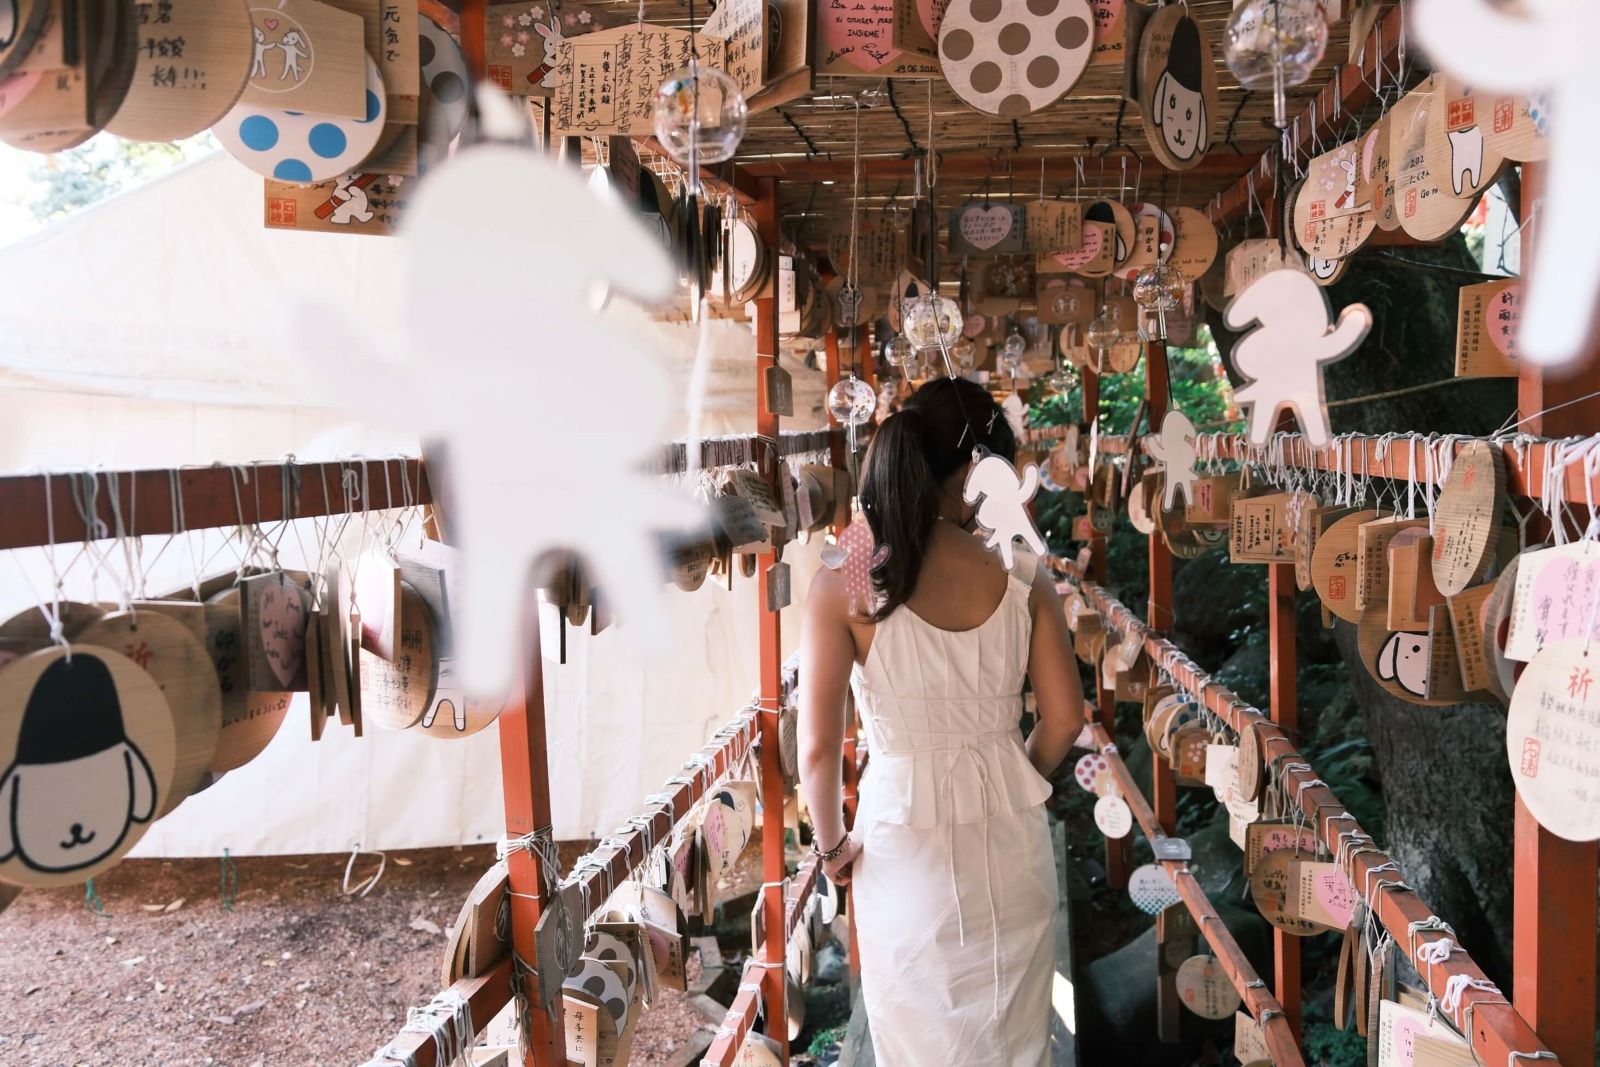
<point>955,889</point>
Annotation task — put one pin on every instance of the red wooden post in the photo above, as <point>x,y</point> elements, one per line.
<point>770,627</point>
<point>1553,920</point>
<point>1285,709</point>
<point>1119,854</point>
<point>525,774</point>
<point>1163,782</point>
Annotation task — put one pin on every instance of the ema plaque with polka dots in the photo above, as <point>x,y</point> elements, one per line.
<point>1014,57</point>
<point>303,147</point>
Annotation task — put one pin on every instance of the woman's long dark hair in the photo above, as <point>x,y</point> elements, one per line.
<point>912,455</point>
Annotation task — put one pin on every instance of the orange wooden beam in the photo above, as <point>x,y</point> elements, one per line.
<point>1525,464</point>
<point>1497,1029</point>
<point>485,996</point>
<point>770,637</point>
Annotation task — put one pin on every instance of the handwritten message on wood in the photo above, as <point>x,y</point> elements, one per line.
<point>607,80</point>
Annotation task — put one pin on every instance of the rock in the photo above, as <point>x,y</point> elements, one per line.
<point>250,1008</point>
<point>830,965</point>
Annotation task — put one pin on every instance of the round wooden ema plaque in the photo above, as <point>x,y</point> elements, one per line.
<point>1115,214</point>
<point>1205,989</point>
<point>1456,135</point>
<point>1326,271</point>
<point>1330,221</point>
<point>1090,770</point>
<point>1153,238</point>
<point>1138,511</point>
<point>86,759</point>
<point>169,653</point>
<point>1466,518</point>
<point>302,147</point>
<point>1424,201</point>
<point>1177,87</point>
<point>31,624</point>
<point>19,31</point>
<point>1333,565</point>
<point>1553,738</point>
<point>194,61</point>
<point>1503,670</point>
<point>1013,57</point>
<point>250,720</point>
<point>1194,247</point>
<point>1272,886</point>
<point>445,87</point>
<point>1251,763</point>
<point>1112,816</point>
<point>1151,889</point>
<point>1399,661</point>
<point>397,693</point>
<point>1375,176</point>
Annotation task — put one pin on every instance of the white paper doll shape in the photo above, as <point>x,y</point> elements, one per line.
<point>1003,510</point>
<point>1546,50</point>
<point>1016,413</point>
<point>77,783</point>
<point>1403,660</point>
<point>1174,450</point>
<point>1294,337</point>
<point>500,363</point>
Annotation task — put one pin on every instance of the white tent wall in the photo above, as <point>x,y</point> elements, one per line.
<point>148,332</point>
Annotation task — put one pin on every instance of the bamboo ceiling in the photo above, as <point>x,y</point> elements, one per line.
<point>807,142</point>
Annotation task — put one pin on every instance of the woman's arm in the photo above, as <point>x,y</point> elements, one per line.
<point>1053,669</point>
<point>827,652</point>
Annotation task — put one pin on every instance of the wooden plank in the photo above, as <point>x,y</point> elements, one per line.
<point>770,627</point>
<point>1498,1029</point>
<point>525,777</point>
<point>1525,465</point>
<point>485,996</point>
<point>1023,166</point>
<point>1555,883</point>
<point>38,509</point>
<point>1261,1005</point>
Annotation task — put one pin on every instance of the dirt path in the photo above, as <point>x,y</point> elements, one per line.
<point>296,975</point>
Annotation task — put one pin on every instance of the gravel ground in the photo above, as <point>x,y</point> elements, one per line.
<point>295,975</point>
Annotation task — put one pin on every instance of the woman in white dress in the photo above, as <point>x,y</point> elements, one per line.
<point>952,877</point>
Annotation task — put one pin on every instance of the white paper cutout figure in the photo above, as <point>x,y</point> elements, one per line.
<point>351,202</point>
<point>1547,50</point>
<point>1016,413</point>
<point>1004,508</point>
<point>263,46</point>
<point>292,54</point>
<point>1404,661</point>
<point>1174,450</point>
<point>1295,336</point>
<point>1466,157</point>
<point>527,469</point>
<point>78,782</point>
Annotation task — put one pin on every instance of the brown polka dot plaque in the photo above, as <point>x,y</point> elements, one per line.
<point>1013,57</point>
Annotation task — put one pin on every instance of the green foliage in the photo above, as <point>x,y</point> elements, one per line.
<point>1199,389</point>
<point>1328,1047</point>
<point>101,167</point>
<point>825,1041</point>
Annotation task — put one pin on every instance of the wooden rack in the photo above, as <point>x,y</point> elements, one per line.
<point>1262,1005</point>
<point>1528,459</point>
<point>1496,1030</point>
<point>489,993</point>
<point>744,449</point>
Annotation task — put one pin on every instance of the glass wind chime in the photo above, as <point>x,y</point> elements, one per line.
<point>699,115</point>
<point>851,401</point>
<point>1274,44</point>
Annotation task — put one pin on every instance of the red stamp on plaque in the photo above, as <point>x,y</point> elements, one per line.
<point>1530,757</point>
<point>280,211</point>
<point>1336,587</point>
<point>500,75</point>
<point>1505,113</point>
<point>1411,202</point>
<point>1438,544</point>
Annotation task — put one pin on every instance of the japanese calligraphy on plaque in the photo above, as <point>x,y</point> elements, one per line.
<point>606,81</point>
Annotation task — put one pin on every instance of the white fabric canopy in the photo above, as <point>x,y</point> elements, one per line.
<point>148,332</point>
